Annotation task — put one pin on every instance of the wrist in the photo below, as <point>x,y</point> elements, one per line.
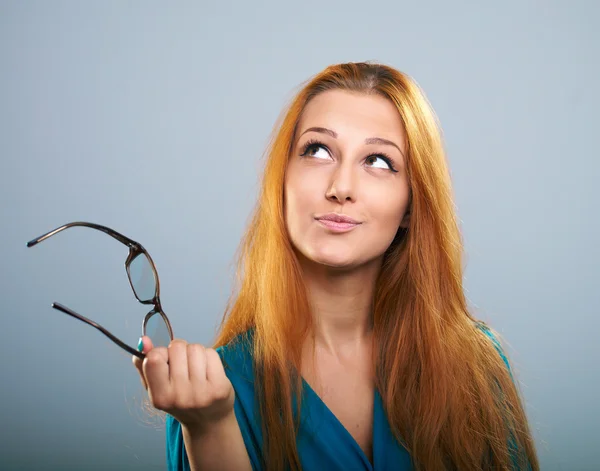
<point>213,427</point>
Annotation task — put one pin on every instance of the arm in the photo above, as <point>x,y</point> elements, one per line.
<point>219,448</point>
<point>189,383</point>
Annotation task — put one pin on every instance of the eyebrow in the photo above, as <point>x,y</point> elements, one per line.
<point>369,140</point>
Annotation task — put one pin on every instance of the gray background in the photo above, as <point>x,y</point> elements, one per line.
<point>151,118</point>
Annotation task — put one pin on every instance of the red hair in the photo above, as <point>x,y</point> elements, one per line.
<point>447,393</point>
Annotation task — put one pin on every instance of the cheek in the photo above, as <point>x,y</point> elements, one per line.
<point>303,193</point>
<point>387,207</point>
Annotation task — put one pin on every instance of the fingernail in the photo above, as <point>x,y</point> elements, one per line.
<point>141,345</point>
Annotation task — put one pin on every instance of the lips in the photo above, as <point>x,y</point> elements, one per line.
<point>337,222</point>
<point>339,218</point>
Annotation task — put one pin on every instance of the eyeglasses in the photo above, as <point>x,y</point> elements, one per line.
<point>143,279</point>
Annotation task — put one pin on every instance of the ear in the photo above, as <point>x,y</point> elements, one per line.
<point>405,220</point>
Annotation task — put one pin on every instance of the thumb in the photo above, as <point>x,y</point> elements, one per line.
<point>145,344</point>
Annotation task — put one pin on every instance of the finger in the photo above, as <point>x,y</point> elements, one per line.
<point>147,342</point>
<point>138,365</point>
<point>196,355</point>
<point>215,372</point>
<point>178,364</point>
<point>146,345</point>
<point>156,372</point>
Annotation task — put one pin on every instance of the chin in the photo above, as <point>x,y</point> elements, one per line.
<point>332,259</point>
<point>336,263</point>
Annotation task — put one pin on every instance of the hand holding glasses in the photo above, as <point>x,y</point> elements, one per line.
<point>143,279</point>
<point>203,379</point>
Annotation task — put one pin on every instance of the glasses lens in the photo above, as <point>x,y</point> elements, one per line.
<point>142,278</point>
<point>156,328</point>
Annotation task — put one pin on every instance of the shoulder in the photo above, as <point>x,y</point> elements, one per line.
<point>237,357</point>
<point>494,338</point>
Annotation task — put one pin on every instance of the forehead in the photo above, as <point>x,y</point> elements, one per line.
<point>354,113</point>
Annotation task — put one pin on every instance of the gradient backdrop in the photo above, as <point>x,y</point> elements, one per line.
<point>151,118</point>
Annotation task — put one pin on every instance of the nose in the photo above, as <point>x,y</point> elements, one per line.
<point>342,186</point>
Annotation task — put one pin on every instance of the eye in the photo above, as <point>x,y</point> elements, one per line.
<point>380,161</point>
<point>316,150</point>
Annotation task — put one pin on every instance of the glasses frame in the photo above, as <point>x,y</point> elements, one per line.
<point>135,249</point>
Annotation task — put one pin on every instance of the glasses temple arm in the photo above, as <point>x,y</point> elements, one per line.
<point>120,343</point>
<point>107,230</point>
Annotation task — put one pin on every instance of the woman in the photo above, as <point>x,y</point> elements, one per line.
<point>349,344</point>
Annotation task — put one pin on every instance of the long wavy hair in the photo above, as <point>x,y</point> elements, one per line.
<point>447,393</point>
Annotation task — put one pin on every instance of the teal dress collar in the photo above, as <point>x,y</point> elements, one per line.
<point>323,439</point>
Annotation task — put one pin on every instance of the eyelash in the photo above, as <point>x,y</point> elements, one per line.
<point>315,143</point>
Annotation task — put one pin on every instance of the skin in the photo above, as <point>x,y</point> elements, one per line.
<point>188,381</point>
<point>341,269</point>
<point>342,174</point>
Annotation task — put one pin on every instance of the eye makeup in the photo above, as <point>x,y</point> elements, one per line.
<point>315,144</point>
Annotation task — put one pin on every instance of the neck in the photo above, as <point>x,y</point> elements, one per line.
<point>341,302</point>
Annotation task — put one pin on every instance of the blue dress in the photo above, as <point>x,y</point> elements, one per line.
<point>338,452</point>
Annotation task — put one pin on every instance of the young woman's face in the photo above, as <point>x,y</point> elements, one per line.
<point>347,161</point>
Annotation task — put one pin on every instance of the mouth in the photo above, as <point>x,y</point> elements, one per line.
<point>337,222</point>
